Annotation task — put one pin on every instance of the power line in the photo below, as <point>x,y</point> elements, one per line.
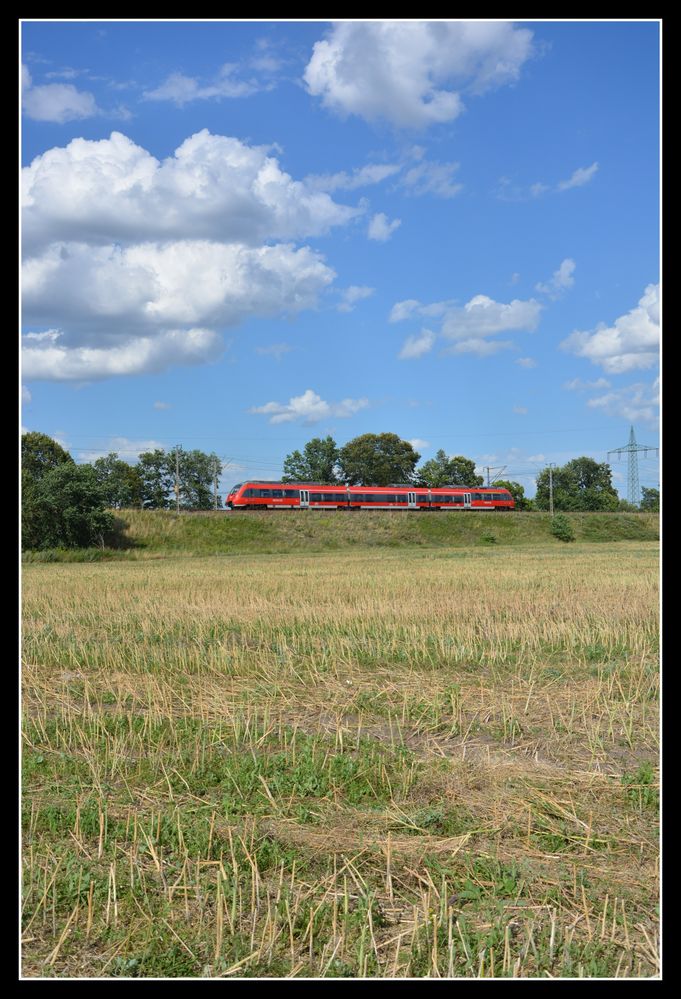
<point>632,450</point>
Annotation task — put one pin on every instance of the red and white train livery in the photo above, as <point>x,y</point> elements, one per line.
<point>261,495</point>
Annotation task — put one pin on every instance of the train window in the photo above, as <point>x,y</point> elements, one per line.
<point>277,493</point>
<point>249,492</point>
<point>265,493</point>
<point>421,498</point>
<point>315,497</point>
<point>476,496</point>
<point>292,493</point>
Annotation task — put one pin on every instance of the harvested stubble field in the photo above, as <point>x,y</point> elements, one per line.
<point>414,763</point>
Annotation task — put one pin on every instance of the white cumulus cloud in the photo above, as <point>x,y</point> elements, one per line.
<point>632,342</point>
<point>411,73</point>
<point>212,187</point>
<point>469,329</point>
<point>141,355</point>
<point>125,253</point>
<point>309,408</point>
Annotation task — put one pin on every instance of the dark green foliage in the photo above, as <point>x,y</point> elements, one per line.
<point>121,483</point>
<point>581,485</point>
<point>561,528</point>
<point>197,474</point>
<point>158,470</point>
<point>317,463</point>
<point>650,500</point>
<point>377,460</point>
<point>65,509</point>
<point>517,492</point>
<point>444,471</point>
<point>40,454</point>
<point>157,479</point>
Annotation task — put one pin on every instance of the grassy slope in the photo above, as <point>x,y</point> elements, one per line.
<point>162,532</point>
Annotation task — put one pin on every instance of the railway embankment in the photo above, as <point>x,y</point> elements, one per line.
<point>144,534</point>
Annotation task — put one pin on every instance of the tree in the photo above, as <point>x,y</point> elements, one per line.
<point>197,476</point>
<point>517,492</point>
<point>377,460</point>
<point>120,482</point>
<point>65,509</point>
<point>194,470</point>
<point>316,464</point>
<point>445,471</point>
<point>40,453</point>
<point>650,500</point>
<point>157,479</point>
<point>582,485</point>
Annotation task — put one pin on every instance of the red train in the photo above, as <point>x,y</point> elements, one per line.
<point>262,495</point>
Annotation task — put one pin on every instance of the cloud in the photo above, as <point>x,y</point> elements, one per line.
<point>162,405</point>
<point>638,403</point>
<point>580,177</point>
<point>507,190</point>
<point>468,328</point>
<point>142,355</point>
<point>212,187</point>
<point>309,408</point>
<point>482,317</point>
<point>482,348</point>
<point>417,346</point>
<point>177,283</point>
<point>631,342</point>
<point>561,280</point>
<point>58,102</point>
<point>521,410</point>
<point>126,449</point>
<point>372,173</point>
<point>418,444</point>
<point>405,71</point>
<point>381,229</point>
<point>526,362</point>
<point>577,385</point>
<point>352,295</point>
<point>181,89</point>
<point>118,309</point>
<point>25,395</point>
<point>431,177</point>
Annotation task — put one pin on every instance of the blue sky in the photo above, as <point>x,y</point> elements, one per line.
<point>240,235</point>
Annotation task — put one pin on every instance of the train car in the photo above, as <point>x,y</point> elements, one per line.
<point>264,495</point>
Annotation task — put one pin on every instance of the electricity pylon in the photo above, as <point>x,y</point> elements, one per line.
<point>632,450</point>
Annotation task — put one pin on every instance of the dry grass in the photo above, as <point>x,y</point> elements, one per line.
<point>368,764</point>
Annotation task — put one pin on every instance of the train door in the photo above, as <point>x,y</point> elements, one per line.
<point>467,501</point>
<point>411,499</point>
<point>304,499</point>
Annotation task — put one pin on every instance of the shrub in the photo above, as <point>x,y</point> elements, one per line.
<point>561,528</point>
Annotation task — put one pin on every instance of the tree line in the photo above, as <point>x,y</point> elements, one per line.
<point>383,459</point>
<point>65,504</point>
<point>69,505</point>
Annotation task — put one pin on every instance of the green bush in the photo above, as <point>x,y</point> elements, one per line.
<point>561,528</point>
